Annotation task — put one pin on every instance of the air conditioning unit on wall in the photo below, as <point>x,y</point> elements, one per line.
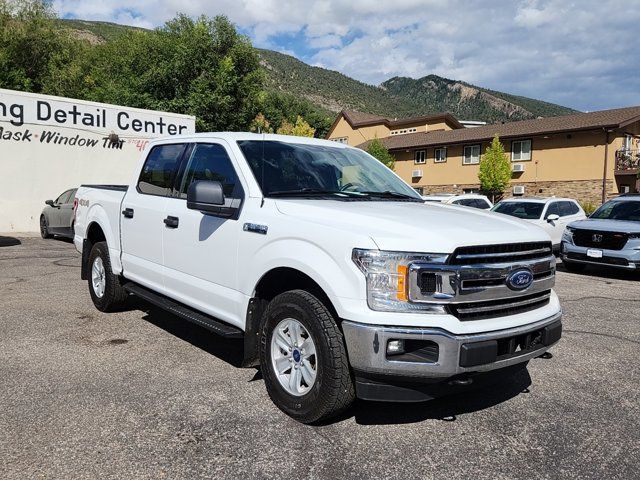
<point>416,173</point>
<point>518,190</point>
<point>517,168</point>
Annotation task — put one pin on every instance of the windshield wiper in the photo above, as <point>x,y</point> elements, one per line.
<point>303,192</point>
<point>390,194</point>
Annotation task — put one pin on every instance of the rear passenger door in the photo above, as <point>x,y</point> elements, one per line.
<point>142,215</point>
<point>201,250</point>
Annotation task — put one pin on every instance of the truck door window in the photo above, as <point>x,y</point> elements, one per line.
<point>211,162</point>
<point>157,174</point>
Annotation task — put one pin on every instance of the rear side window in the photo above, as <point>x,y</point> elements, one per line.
<point>64,198</point>
<point>157,173</point>
<point>568,208</point>
<point>482,204</point>
<point>553,209</point>
<point>211,162</point>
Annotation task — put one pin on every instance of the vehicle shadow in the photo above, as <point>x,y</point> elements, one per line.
<point>229,350</point>
<point>603,272</point>
<point>9,241</point>
<point>364,413</point>
<point>443,408</point>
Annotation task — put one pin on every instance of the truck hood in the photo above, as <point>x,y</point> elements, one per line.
<point>412,226</point>
<point>607,225</point>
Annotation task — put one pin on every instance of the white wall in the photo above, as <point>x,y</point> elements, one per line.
<point>33,169</point>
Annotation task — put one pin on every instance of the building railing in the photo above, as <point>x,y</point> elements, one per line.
<point>627,159</point>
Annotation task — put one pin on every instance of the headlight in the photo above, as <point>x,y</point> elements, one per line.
<point>387,278</point>
<point>567,235</point>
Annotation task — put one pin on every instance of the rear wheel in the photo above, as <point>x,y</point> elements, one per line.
<point>106,291</point>
<point>44,228</point>
<point>304,359</point>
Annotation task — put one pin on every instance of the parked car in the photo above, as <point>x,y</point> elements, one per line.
<point>57,217</point>
<point>338,277</point>
<point>473,200</point>
<point>609,237</point>
<point>551,213</point>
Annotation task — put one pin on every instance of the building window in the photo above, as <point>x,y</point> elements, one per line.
<point>471,155</point>
<point>440,155</point>
<point>404,131</point>
<point>340,139</point>
<point>520,150</point>
<point>420,157</point>
<point>420,190</point>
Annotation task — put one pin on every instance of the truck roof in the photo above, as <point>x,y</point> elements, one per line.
<point>238,136</point>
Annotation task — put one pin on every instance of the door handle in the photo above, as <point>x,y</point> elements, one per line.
<point>171,222</point>
<point>128,212</point>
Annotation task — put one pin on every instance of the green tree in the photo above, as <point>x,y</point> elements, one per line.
<point>201,67</point>
<point>300,129</point>
<point>260,124</point>
<point>31,44</point>
<point>377,149</point>
<point>495,169</point>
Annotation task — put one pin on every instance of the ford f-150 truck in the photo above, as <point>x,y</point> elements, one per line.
<point>338,277</point>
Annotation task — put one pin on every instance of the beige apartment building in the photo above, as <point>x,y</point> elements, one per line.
<point>587,156</point>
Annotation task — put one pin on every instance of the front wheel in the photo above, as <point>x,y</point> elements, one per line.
<point>303,358</point>
<point>44,228</point>
<point>106,291</point>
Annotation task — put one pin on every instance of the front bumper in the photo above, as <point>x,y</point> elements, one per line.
<point>626,259</point>
<point>444,354</point>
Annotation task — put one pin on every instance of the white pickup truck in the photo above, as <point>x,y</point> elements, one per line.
<point>338,277</point>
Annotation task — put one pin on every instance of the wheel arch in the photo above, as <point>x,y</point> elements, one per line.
<point>94,233</point>
<point>271,284</point>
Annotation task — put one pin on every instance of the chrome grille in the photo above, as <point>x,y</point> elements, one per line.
<point>506,253</point>
<point>500,308</point>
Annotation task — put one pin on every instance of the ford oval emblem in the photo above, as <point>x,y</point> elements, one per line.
<point>520,279</point>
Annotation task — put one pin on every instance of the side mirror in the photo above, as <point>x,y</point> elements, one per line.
<point>553,218</point>
<point>49,202</point>
<point>207,196</point>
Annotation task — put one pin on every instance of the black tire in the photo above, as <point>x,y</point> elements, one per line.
<point>114,296</point>
<point>44,228</point>
<point>573,266</point>
<point>333,390</point>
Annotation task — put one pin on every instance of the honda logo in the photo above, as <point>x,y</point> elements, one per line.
<point>596,237</point>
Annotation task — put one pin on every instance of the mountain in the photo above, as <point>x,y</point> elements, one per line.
<point>330,91</point>
<point>469,102</point>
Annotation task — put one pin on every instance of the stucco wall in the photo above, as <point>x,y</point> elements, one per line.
<point>555,158</point>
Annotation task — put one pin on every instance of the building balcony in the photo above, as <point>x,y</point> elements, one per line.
<point>627,161</point>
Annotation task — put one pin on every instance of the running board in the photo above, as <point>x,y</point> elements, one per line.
<point>184,312</point>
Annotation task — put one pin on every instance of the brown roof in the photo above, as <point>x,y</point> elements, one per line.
<point>616,118</point>
<point>359,119</point>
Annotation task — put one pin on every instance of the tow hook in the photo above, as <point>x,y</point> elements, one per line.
<point>461,382</point>
<point>546,355</point>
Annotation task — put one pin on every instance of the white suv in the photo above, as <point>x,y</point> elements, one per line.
<point>473,200</point>
<point>551,213</point>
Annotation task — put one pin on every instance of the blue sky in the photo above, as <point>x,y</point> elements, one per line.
<point>582,54</point>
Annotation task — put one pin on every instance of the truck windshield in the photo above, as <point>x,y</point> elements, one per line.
<point>524,210</point>
<point>285,169</point>
<point>616,210</point>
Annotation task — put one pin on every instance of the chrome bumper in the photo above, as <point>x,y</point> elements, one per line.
<point>367,348</point>
<point>631,256</point>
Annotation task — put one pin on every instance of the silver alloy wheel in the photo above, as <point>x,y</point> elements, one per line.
<point>98,277</point>
<point>293,357</point>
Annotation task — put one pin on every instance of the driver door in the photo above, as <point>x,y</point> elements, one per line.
<point>201,250</point>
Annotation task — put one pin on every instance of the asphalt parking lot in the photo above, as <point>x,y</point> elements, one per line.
<point>141,394</point>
